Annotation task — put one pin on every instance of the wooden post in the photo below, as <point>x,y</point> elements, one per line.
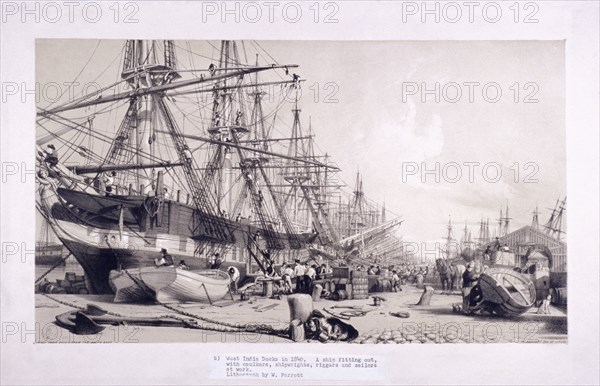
<point>131,189</point>
<point>297,330</point>
<point>316,294</point>
<point>142,189</point>
<point>207,295</point>
<point>426,296</point>
<point>178,195</point>
<point>230,291</point>
<point>187,199</point>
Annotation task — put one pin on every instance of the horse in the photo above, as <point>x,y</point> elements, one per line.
<point>457,270</point>
<point>443,269</point>
<point>450,274</point>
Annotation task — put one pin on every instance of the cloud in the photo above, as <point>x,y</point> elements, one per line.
<point>418,139</point>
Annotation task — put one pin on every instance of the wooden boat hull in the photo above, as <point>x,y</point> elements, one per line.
<point>177,285</point>
<point>129,287</point>
<point>506,291</point>
<point>169,285</point>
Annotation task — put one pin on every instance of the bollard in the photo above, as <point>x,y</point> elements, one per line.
<point>301,306</point>
<point>297,330</point>
<point>316,294</point>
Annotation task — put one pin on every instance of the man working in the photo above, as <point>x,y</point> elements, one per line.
<point>183,265</point>
<point>234,276</point>
<point>309,276</point>
<point>299,271</point>
<point>287,279</point>
<point>165,260</point>
<point>470,279</point>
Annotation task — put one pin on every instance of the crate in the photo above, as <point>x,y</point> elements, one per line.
<point>341,272</point>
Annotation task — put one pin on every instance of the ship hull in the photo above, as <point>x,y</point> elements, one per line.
<point>97,262</point>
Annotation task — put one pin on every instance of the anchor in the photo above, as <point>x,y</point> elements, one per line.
<point>90,321</point>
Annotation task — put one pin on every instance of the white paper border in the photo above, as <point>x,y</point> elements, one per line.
<point>575,363</point>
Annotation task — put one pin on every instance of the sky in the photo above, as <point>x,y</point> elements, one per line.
<point>365,103</point>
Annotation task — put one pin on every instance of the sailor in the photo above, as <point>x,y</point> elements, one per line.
<point>497,244</point>
<point>470,279</point>
<point>51,155</point>
<point>287,274</point>
<point>109,181</point>
<point>395,282</point>
<point>183,265</point>
<point>187,153</point>
<point>299,271</point>
<point>321,272</point>
<point>166,194</point>
<point>260,198</point>
<point>234,276</point>
<point>487,253</point>
<point>309,276</point>
<point>217,261</point>
<point>165,260</point>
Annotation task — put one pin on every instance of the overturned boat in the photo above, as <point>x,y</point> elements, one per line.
<point>505,292</point>
<point>169,285</point>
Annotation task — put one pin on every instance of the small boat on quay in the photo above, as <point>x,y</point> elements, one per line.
<point>505,291</point>
<point>169,285</point>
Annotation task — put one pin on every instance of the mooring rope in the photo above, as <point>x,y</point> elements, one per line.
<point>219,326</point>
<point>248,327</point>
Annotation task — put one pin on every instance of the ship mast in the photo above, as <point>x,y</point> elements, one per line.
<point>555,223</point>
<point>142,70</point>
<point>449,237</point>
<point>535,222</point>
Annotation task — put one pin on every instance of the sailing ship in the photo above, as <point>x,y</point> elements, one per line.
<point>220,188</point>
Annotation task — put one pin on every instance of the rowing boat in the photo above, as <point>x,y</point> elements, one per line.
<point>169,285</point>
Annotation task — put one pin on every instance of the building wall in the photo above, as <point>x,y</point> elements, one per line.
<point>527,234</point>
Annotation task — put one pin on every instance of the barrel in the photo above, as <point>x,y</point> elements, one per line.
<point>340,295</point>
<point>559,296</point>
<point>268,288</point>
<point>64,283</point>
<point>70,276</point>
<point>316,293</point>
<point>330,286</point>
